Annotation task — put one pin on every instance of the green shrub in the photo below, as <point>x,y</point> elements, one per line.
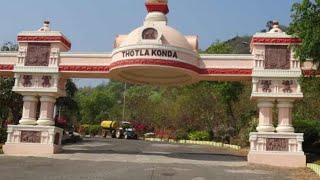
<point>84,129</point>
<point>94,129</point>
<point>243,140</point>
<point>223,134</point>
<point>180,134</point>
<point>199,136</point>
<point>310,128</point>
<point>3,135</point>
<point>211,135</point>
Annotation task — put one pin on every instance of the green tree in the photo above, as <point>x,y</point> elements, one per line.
<point>11,102</point>
<point>219,48</point>
<point>68,106</point>
<point>9,46</point>
<point>228,92</point>
<point>116,90</point>
<point>94,104</point>
<point>306,25</point>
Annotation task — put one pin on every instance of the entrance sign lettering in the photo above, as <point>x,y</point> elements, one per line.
<point>150,52</point>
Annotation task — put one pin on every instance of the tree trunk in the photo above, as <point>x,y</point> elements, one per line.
<point>231,117</point>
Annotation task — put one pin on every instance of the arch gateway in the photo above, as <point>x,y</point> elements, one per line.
<point>156,54</point>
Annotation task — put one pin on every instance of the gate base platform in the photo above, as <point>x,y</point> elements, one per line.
<point>277,149</point>
<point>33,140</point>
<point>278,159</point>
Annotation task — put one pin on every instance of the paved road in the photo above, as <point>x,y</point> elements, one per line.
<point>110,159</point>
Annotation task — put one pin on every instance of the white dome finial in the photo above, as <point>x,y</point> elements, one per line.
<point>45,27</point>
<point>275,28</point>
<point>154,17</point>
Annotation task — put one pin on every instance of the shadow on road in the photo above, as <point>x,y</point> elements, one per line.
<point>178,155</point>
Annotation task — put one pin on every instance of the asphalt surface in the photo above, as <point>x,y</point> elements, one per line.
<point>111,159</point>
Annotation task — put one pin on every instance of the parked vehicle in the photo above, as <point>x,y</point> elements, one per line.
<point>119,129</point>
<point>70,137</point>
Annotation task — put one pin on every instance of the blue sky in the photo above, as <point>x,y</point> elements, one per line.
<point>92,25</point>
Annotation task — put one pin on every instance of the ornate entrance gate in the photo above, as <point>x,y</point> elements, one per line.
<point>156,54</point>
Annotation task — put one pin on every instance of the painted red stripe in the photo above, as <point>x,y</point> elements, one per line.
<point>44,39</point>
<point>310,72</point>
<point>85,68</point>
<point>181,65</point>
<point>277,40</point>
<point>6,67</point>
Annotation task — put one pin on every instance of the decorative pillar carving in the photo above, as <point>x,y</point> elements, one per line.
<point>17,80</point>
<point>54,56</point>
<point>299,141</point>
<point>46,111</point>
<point>29,110</point>
<point>21,56</point>
<point>10,133</point>
<point>253,140</point>
<point>298,86</point>
<point>295,63</point>
<point>259,56</point>
<point>265,116</point>
<point>285,116</point>
<point>55,80</point>
<point>38,54</point>
<point>255,83</point>
<point>51,137</point>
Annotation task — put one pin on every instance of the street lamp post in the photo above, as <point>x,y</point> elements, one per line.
<point>124,101</point>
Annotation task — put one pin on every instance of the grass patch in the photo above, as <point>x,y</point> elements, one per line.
<point>313,154</point>
<point>313,158</point>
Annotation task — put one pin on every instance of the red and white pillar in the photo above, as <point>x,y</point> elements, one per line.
<point>46,111</point>
<point>29,110</point>
<point>285,117</point>
<point>265,116</point>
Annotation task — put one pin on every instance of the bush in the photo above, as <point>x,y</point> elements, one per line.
<point>3,135</point>
<point>244,133</point>
<point>94,129</point>
<point>223,134</point>
<point>199,136</point>
<point>84,129</point>
<point>87,129</point>
<point>311,130</point>
<point>180,134</point>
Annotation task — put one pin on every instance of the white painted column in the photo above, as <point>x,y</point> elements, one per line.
<point>285,116</point>
<point>29,110</point>
<point>255,83</point>
<point>265,116</point>
<point>16,80</point>
<point>46,111</point>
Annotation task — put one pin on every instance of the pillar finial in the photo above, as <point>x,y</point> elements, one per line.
<point>275,28</point>
<point>275,24</point>
<point>45,27</point>
<point>157,6</point>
